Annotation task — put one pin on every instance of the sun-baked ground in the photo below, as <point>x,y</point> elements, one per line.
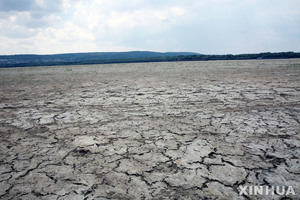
<point>178,130</point>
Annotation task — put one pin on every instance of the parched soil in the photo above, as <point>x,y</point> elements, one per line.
<point>178,130</point>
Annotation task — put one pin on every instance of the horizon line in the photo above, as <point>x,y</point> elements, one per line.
<point>90,52</point>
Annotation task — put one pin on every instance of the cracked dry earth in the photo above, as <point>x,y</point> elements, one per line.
<point>179,130</point>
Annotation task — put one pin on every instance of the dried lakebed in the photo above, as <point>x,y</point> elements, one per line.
<point>186,130</point>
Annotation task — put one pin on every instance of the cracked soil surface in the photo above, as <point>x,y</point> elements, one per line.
<point>186,130</point>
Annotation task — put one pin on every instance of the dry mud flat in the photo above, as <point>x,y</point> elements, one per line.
<point>186,130</point>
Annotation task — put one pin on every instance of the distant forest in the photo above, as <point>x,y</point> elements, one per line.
<point>128,57</point>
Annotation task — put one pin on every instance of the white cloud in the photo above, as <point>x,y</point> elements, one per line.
<point>215,26</point>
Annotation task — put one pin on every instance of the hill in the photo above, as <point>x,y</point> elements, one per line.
<point>82,58</point>
<point>128,57</point>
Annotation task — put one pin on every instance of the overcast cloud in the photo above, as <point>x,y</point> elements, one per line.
<point>203,26</point>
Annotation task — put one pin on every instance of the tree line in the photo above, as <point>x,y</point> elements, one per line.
<point>196,57</point>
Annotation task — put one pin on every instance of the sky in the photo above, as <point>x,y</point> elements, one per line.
<point>202,26</point>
